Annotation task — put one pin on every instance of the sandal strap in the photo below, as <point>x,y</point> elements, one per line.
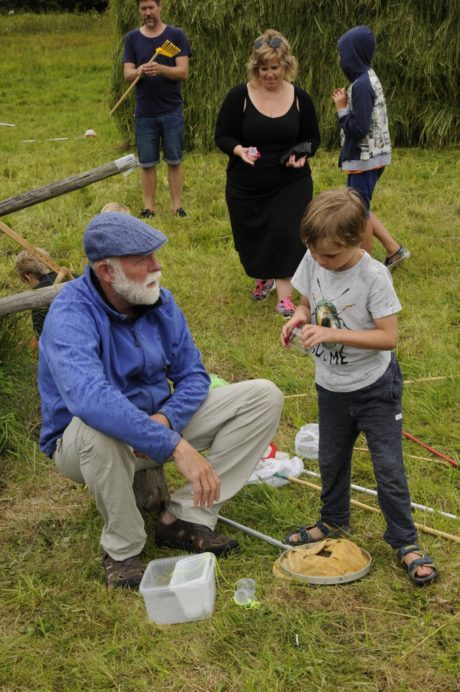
<point>324,528</point>
<point>303,534</point>
<point>424,560</point>
<point>405,549</point>
<point>390,257</point>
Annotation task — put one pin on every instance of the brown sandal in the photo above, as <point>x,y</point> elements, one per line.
<point>194,538</point>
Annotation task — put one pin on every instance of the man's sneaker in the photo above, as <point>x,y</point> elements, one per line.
<point>286,307</point>
<point>262,289</point>
<point>147,214</point>
<point>125,574</point>
<point>398,257</point>
<point>181,213</point>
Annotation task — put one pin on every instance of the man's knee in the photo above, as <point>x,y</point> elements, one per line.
<point>269,393</point>
<point>97,451</point>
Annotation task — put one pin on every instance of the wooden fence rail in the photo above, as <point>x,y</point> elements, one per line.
<point>39,298</point>
<point>27,199</point>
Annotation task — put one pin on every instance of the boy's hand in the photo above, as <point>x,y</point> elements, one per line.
<point>297,320</point>
<point>340,98</point>
<point>312,335</point>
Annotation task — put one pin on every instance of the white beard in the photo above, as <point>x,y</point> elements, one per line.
<point>133,292</point>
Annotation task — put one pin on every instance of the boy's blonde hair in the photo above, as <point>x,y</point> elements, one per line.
<point>26,263</point>
<point>336,216</point>
<point>115,206</point>
<point>265,53</point>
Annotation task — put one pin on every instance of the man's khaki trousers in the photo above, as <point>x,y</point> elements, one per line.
<point>235,424</point>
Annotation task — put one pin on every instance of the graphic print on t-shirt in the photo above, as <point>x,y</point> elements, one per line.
<point>328,315</point>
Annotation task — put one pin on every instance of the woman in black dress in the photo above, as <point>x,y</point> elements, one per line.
<point>269,129</point>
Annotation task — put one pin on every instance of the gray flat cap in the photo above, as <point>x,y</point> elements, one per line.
<point>114,234</point>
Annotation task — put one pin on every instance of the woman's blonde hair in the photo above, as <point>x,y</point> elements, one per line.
<point>263,52</point>
<point>335,216</point>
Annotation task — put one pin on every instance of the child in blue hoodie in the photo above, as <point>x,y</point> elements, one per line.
<point>365,137</point>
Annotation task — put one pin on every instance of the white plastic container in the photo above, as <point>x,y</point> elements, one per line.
<point>179,589</point>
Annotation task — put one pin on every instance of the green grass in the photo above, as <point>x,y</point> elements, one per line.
<point>60,628</point>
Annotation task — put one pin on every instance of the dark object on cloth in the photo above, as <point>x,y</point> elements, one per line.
<point>300,150</point>
<point>194,538</point>
<point>124,574</point>
<point>411,568</point>
<point>150,490</point>
<point>115,234</point>
<point>305,537</point>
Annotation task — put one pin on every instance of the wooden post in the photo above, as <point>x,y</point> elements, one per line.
<point>27,300</point>
<point>61,187</point>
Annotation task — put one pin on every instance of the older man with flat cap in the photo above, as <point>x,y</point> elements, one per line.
<point>123,388</point>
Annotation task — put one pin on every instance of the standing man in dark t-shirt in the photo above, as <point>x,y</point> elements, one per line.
<point>158,113</point>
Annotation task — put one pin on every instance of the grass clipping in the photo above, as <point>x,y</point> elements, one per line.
<point>329,558</point>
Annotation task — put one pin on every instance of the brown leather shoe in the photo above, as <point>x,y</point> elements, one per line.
<point>125,574</point>
<point>194,538</point>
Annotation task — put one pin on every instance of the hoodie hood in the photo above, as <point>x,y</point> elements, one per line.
<point>356,50</point>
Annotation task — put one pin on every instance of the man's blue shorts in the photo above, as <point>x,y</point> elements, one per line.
<point>364,183</point>
<point>169,128</point>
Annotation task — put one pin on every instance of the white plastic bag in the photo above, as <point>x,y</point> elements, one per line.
<point>307,441</point>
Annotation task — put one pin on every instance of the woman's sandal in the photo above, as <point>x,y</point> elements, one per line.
<point>306,538</point>
<point>412,567</point>
<point>194,538</point>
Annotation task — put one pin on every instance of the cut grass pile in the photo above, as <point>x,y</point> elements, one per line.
<point>60,628</point>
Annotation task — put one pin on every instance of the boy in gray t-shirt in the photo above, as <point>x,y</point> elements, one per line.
<point>348,318</point>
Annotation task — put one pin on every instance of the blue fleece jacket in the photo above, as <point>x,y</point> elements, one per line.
<point>365,134</point>
<point>113,372</point>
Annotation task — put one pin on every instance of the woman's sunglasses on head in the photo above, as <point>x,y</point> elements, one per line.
<point>274,42</point>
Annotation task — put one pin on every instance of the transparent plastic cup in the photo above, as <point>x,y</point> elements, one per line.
<point>245,591</point>
<point>253,153</point>
<point>296,342</point>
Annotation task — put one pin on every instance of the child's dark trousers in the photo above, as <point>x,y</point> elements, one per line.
<point>376,411</point>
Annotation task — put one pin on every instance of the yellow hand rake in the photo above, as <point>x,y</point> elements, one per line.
<point>168,49</point>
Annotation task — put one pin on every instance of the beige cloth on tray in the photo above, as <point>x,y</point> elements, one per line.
<point>333,557</point>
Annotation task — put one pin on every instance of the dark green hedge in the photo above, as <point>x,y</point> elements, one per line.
<point>417,60</point>
<point>53,5</point>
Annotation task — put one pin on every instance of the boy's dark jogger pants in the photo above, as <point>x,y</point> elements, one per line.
<point>376,411</point>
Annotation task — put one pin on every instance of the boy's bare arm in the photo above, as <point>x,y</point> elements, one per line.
<point>383,338</point>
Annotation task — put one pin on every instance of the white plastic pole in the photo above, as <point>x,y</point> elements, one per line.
<point>253,532</point>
